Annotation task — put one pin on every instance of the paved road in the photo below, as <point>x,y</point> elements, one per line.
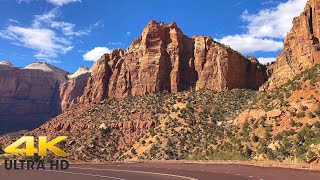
<point>161,171</point>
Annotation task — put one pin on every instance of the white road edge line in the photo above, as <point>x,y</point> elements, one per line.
<point>84,174</point>
<point>142,172</point>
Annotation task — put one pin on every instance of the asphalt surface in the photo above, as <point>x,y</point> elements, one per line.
<point>161,171</point>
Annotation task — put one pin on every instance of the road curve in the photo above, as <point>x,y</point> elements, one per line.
<point>161,171</point>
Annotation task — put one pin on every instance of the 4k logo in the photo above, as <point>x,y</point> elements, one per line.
<point>30,149</point>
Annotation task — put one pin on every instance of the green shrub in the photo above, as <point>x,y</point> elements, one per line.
<point>292,123</point>
<point>316,124</point>
<point>255,138</point>
<point>311,115</point>
<point>299,124</point>
<point>304,108</point>
<point>301,115</point>
<point>133,151</point>
<point>317,112</point>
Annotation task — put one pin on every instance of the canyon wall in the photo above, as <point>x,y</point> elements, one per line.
<point>301,48</point>
<point>163,59</point>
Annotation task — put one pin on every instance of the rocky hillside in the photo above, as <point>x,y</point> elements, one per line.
<point>163,59</point>
<point>284,123</point>
<point>155,126</point>
<point>165,98</point>
<point>301,49</point>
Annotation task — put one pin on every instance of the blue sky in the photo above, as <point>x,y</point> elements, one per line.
<point>73,33</point>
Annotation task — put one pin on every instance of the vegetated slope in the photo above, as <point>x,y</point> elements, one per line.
<point>284,123</point>
<point>172,126</point>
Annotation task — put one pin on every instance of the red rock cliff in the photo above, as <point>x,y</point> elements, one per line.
<point>163,59</point>
<point>72,89</point>
<point>301,47</point>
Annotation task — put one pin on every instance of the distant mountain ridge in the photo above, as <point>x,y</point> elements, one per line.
<point>58,73</point>
<point>30,96</point>
<point>6,63</point>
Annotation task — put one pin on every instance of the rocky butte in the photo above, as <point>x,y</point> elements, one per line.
<point>163,59</point>
<point>301,48</point>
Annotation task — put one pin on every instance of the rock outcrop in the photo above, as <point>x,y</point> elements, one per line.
<point>55,72</point>
<point>71,90</point>
<point>28,97</point>
<point>163,59</point>
<point>301,47</point>
<point>79,72</point>
<point>133,127</point>
<point>6,63</point>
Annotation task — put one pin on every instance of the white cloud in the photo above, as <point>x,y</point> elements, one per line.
<point>46,35</point>
<point>269,2</point>
<point>47,44</point>
<point>249,44</point>
<point>26,1</point>
<point>275,22</point>
<point>14,21</point>
<point>97,24</point>
<point>54,2</point>
<point>62,2</point>
<point>68,28</point>
<point>115,43</point>
<point>264,60</point>
<point>46,18</point>
<point>96,53</point>
<point>266,29</point>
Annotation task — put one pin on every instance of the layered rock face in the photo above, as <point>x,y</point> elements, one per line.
<point>53,71</point>
<point>301,47</point>
<point>28,97</point>
<point>6,63</point>
<point>71,90</point>
<point>163,59</point>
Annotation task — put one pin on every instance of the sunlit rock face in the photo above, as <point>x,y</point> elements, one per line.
<point>163,59</point>
<point>301,47</point>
